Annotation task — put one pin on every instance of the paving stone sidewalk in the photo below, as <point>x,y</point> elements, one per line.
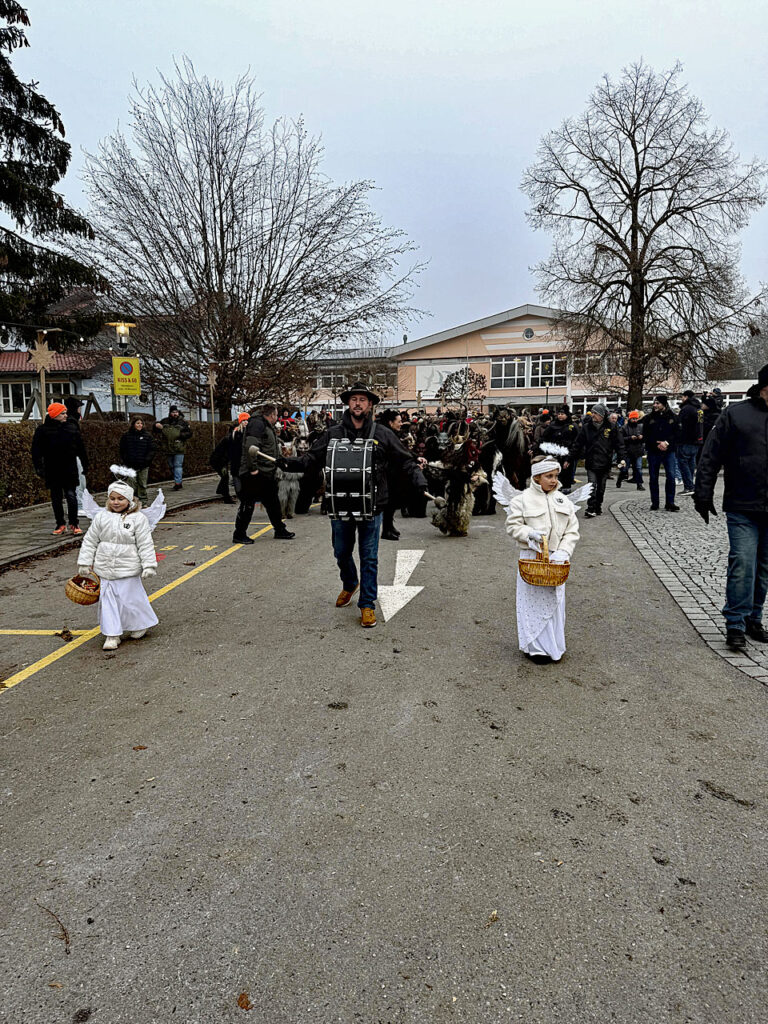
<point>691,560</point>
<point>26,532</point>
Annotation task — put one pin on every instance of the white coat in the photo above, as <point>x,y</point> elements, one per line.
<point>118,546</point>
<point>552,515</point>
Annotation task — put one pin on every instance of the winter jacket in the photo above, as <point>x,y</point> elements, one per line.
<point>563,434</point>
<point>137,449</point>
<point>691,420</point>
<point>739,444</point>
<point>175,434</point>
<point>389,454</point>
<point>597,444</point>
<point>658,427</point>
<point>261,433</point>
<point>552,515</point>
<point>118,546</point>
<point>633,438</point>
<point>711,413</point>
<point>56,447</point>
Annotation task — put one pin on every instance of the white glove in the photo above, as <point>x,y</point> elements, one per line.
<point>622,464</point>
<point>84,570</point>
<point>559,557</point>
<point>148,572</point>
<point>534,540</point>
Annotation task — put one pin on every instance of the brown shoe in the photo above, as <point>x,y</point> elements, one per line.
<point>346,596</point>
<point>367,617</point>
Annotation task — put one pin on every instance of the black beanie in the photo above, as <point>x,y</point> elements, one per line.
<point>762,382</point>
<point>663,399</point>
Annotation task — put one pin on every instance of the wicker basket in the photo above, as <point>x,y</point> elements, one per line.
<point>79,593</point>
<point>540,572</point>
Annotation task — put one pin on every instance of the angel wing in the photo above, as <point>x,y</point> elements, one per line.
<point>580,495</point>
<point>503,491</point>
<point>156,510</point>
<point>88,506</point>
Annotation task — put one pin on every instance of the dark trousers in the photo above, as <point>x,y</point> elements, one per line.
<point>747,583</point>
<point>60,492</point>
<point>567,473</point>
<point>597,478</point>
<point>388,520</point>
<point>259,488</point>
<point>655,461</point>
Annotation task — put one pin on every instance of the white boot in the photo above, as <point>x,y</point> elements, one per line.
<point>137,634</point>
<point>111,643</point>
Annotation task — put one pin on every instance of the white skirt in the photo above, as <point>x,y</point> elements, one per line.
<point>540,618</point>
<point>124,607</point>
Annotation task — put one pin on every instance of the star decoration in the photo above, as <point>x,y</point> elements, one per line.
<point>41,356</point>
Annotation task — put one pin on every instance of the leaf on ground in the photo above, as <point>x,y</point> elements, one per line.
<point>140,747</point>
<point>244,1001</point>
<point>65,635</point>
<point>190,563</point>
<point>494,917</point>
<point>338,705</point>
<point>55,984</point>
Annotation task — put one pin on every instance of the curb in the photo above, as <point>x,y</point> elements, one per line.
<point>698,612</point>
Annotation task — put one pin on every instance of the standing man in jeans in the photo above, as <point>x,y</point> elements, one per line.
<point>691,419</point>
<point>390,456</point>
<point>660,435</point>
<point>175,433</point>
<point>738,443</point>
<point>597,440</point>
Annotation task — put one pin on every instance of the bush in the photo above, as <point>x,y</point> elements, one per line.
<point>20,486</point>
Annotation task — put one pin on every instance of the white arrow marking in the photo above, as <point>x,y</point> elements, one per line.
<point>392,599</point>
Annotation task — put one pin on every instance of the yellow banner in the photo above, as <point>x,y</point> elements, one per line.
<point>126,375</point>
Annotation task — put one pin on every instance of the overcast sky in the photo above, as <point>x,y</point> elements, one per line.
<point>441,103</point>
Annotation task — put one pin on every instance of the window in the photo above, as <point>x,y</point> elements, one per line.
<point>58,389</point>
<point>548,371</point>
<point>331,380</point>
<point>587,365</point>
<point>508,372</point>
<point>14,396</point>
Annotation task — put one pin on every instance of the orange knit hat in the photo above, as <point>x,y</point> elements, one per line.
<point>634,415</point>
<point>56,409</point>
<point>243,416</point>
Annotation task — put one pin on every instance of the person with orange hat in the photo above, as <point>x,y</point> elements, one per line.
<point>225,458</point>
<point>56,447</point>
<point>633,439</point>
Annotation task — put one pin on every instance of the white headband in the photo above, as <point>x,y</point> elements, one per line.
<point>544,467</point>
<point>121,487</point>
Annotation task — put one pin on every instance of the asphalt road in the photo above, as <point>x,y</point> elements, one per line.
<point>264,802</point>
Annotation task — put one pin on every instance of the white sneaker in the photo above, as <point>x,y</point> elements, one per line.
<point>137,634</point>
<point>111,643</point>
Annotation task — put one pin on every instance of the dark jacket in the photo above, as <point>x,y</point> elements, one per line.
<point>563,434</point>
<point>597,445</point>
<point>660,426</point>
<point>633,438</point>
<point>56,447</point>
<point>137,448</point>
<point>739,444</point>
<point>711,412</point>
<point>389,455</point>
<point>260,433</point>
<point>175,434</point>
<point>691,420</point>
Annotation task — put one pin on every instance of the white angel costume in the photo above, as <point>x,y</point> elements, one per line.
<point>532,514</point>
<point>120,549</point>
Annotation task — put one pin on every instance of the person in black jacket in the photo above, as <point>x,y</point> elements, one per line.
<point>137,449</point>
<point>633,440</point>
<point>56,447</point>
<point>257,475</point>
<point>661,432</point>
<point>597,440</point>
<point>390,455</point>
<point>562,431</point>
<point>711,411</point>
<point>691,419</point>
<point>739,444</point>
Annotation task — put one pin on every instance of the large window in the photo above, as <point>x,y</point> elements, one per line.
<point>15,394</point>
<point>508,372</point>
<point>588,365</point>
<point>548,371</point>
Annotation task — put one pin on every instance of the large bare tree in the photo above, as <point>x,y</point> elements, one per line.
<point>644,200</point>
<point>223,239</point>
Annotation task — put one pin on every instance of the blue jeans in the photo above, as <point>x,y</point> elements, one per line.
<point>655,461</point>
<point>686,459</point>
<point>636,462</point>
<point>343,534</point>
<point>175,462</point>
<point>747,582</point>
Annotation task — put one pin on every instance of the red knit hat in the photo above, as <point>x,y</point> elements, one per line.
<point>56,409</point>
<point>634,415</point>
<point>243,416</point>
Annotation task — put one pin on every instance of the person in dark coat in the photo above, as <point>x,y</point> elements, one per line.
<point>738,443</point>
<point>389,454</point>
<point>562,431</point>
<point>56,447</point>
<point>633,440</point>
<point>691,419</point>
<point>257,476</point>
<point>391,418</point>
<point>137,449</point>
<point>661,433</point>
<point>597,441</point>
<point>711,411</point>
<point>174,433</point>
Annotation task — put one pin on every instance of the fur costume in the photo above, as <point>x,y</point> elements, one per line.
<point>289,484</point>
<point>460,469</point>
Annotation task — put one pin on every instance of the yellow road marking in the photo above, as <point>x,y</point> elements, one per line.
<point>200,522</point>
<point>188,548</point>
<point>40,632</point>
<point>170,547</point>
<point>89,634</point>
<point>209,547</point>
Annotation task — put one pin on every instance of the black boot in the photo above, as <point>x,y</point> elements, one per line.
<point>244,539</point>
<point>755,631</point>
<point>283,534</point>
<point>735,639</point>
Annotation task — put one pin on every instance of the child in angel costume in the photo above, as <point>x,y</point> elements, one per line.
<point>541,511</point>
<point>118,548</point>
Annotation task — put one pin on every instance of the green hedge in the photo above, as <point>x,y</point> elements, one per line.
<point>20,486</point>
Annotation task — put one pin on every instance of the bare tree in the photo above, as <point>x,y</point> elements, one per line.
<point>644,201</point>
<point>462,387</point>
<point>225,242</point>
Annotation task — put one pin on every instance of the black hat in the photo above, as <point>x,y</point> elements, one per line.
<point>661,398</point>
<point>359,389</point>
<point>688,394</point>
<point>762,382</point>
